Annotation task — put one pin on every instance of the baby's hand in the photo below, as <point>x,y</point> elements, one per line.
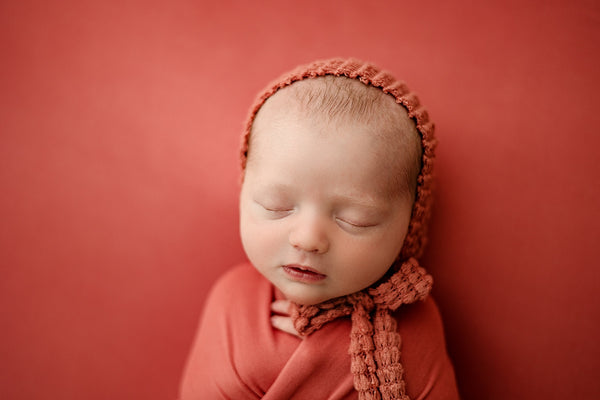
<point>280,318</point>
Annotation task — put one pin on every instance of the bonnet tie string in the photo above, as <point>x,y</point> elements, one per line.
<point>374,338</point>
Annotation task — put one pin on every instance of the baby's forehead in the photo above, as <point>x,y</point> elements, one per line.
<point>337,102</point>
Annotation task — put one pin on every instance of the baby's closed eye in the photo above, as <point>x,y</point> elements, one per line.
<point>352,218</point>
<point>274,210</point>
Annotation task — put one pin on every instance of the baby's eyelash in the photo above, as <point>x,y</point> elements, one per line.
<point>273,208</point>
<point>277,209</point>
<point>354,224</point>
<point>276,212</point>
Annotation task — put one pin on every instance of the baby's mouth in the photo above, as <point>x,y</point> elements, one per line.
<point>303,273</point>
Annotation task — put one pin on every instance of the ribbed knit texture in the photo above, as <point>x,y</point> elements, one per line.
<point>375,342</point>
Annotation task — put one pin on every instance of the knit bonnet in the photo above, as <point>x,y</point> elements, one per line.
<point>374,338</point>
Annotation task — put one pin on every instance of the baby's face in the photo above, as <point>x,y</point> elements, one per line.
<point>317,216</point>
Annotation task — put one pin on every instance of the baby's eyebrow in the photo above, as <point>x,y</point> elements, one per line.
<point>367,202</point>
<point>276,187</point>
<point>276,190</point>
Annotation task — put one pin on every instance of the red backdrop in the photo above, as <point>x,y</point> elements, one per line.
<point>120,122</point>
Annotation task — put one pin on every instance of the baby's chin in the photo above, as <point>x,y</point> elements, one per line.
<point>307,299</point>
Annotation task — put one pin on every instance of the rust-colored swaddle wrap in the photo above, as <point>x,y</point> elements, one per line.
<point>238,355</point>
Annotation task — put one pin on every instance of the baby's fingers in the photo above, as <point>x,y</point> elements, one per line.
<point>281,307</point>
<point>284,324</point>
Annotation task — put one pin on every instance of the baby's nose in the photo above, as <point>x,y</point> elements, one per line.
<point>309,235</point>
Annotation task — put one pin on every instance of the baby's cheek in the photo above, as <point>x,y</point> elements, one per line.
<point>262,241</point>
<point>379,255</point>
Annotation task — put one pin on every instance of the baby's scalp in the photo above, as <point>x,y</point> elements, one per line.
<point>341,101</point>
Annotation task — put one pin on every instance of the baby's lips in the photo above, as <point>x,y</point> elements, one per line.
<point>305,269</point>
